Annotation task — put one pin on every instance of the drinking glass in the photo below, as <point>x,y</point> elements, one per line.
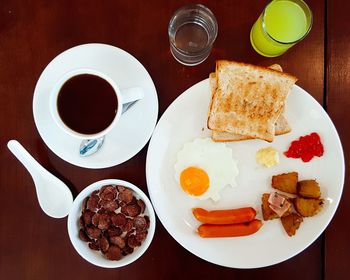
<point>282,24</point>
<point>192,31</point>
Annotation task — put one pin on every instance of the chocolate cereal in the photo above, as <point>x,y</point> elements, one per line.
<point>113,221</point>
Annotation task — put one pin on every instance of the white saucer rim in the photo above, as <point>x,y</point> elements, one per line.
<point>155,108</point>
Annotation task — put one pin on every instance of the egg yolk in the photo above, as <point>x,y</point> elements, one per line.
<point>194,181</point>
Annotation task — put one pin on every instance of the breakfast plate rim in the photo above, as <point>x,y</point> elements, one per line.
<point>163,219</point>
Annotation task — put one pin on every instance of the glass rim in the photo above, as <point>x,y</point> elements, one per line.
<point>215,26</point>
<point>291,42</point>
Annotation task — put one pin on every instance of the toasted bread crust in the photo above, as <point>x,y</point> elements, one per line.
<point>274,68</point>
<point>212,86</point>
<point>281,125</point>
<point>247,108</point>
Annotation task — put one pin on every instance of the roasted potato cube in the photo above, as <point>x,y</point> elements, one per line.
<point>308,207</point>
<point>286,182</point>
<point>268,213</point>
<point>309,189</point>
<point>291,223</point>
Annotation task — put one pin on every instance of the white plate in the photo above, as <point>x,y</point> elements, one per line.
<point>96,257</point>
<point>133,130</point>
<point>184,120</point>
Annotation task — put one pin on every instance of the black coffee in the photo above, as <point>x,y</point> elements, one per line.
<point>87,104</point>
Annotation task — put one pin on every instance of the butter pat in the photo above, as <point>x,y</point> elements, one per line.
<point>267,157</point>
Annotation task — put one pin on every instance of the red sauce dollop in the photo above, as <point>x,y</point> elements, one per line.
<point>306,147</point>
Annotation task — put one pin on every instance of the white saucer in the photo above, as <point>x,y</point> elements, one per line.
<point>134,128</point>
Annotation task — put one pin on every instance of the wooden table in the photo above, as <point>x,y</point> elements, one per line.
<point>34,246</point>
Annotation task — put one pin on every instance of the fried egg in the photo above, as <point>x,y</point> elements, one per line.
<point>204,167</point>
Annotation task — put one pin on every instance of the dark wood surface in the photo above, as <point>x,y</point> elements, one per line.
<point>337,245</point>
<point>32,33</point>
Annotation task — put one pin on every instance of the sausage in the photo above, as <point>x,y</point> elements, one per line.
<point>231,230</point>
<point>223,217</point>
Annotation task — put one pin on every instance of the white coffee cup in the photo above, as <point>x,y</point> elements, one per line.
<point>123,96</point>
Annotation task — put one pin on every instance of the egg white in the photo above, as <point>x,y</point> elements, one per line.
<point>214,158</point>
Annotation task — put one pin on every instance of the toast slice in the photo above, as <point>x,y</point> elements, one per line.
<point>281,125</point>
<point>248,99</point>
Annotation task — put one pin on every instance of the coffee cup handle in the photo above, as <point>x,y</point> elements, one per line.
<point>132,94</point>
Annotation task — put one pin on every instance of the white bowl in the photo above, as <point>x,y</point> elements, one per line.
<point>96,257</point>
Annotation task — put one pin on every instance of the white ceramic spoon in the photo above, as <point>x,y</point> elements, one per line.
<point>54,196</point>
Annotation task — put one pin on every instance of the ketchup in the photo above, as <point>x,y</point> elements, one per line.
<point>306,147</point>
